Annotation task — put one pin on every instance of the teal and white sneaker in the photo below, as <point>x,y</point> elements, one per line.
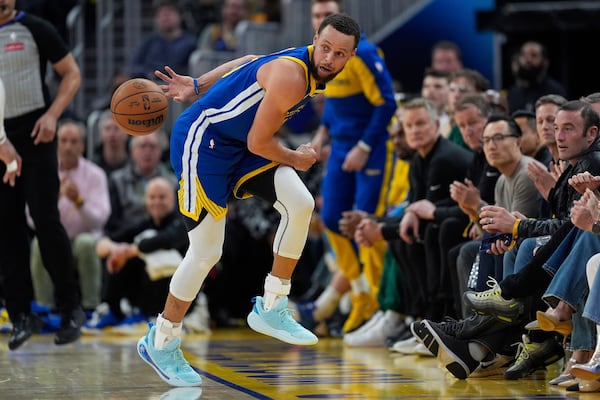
<point>169,362</point>
<point>279,323</point>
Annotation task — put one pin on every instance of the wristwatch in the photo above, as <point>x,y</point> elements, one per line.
<point>596,228</point>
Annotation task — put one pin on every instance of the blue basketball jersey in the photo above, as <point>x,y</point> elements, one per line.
<point>209,139</point>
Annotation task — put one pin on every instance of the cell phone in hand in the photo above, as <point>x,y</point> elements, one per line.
<point>489,238</point>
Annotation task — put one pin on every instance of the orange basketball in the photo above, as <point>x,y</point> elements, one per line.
<point>139,106</point>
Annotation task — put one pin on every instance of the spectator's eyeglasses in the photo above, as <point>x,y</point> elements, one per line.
<point>460,89</point>
<point>497,138</point>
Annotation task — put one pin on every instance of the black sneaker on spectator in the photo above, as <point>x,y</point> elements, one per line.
<point>453,353</point>
<point>533,356</point>
<point>420,331</point>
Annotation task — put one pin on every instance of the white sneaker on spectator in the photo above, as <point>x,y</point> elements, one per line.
<point>407,346</point>
<point>371,322</point>
<point>422,350</point>
<point>375,334</point>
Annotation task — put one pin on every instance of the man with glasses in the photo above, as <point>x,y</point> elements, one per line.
<point>576,132</point>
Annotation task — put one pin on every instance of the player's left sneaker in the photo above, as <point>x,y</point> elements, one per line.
<point>168,362</point>
<point>279,323</point>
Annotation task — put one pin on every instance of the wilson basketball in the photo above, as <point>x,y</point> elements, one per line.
<point>139,106</point>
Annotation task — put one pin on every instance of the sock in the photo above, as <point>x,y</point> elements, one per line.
<point>326,304</point>
<point>165,331</point>
<point>359,285</point>
<point>275,289</point>
<point>477,351</point>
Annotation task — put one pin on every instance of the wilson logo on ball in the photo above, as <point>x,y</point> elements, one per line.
<point>158,121</point>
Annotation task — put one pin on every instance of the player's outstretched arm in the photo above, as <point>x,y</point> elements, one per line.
<point>284,83</point>
<point>182,88</point>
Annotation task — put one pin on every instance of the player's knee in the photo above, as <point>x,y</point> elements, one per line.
<point>303,208</point>
<point>204,258</point>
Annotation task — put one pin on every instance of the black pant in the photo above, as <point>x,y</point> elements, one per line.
<point>37,187</point>
<point>449,237</point>
<point>134,284</point>
<point>410,259</point>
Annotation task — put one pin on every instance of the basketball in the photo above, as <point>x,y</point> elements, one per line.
<point>139,106</point>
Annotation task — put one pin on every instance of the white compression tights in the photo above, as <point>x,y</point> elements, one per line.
<point>206,246</point>
<point>294,203</point>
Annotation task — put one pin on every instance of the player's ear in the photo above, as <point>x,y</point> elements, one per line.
<point>315,39</point>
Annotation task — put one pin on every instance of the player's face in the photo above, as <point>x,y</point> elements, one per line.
<point>332,49</point>
<point>320,11</point>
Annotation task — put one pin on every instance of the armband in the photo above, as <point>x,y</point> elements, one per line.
<point>196,87</point>
<point>515,228</point>
<point>363,146</point>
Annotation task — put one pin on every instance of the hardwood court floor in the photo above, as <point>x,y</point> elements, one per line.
<point>240,364</point>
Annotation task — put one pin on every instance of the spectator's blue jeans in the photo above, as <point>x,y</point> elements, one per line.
<point>569,284</point>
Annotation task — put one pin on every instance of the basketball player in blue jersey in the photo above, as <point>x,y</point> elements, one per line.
<point>225,144</point>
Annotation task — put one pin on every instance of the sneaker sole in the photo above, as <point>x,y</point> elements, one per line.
<point>257,324</point>
<point>143,352</point>
<point>426,339</point>
<point>452,362</point>
<point>585,374</point>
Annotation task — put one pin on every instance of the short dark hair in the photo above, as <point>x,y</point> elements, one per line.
<point>156,4</point>
<point>589,115</point>
<point>514,128</point>
<point>342,23</point>
<point>436,73</point>
<point>339,2</point>
<point>480,82</point>
<point>522,113</point>
<point>447,45</point>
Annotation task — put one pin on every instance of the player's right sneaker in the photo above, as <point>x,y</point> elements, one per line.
<point>169,362</point>
<point>278,323</point>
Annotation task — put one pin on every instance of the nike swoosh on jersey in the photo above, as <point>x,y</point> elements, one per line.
<point>433,188</point>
